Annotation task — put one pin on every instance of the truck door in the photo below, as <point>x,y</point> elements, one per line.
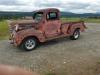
<point>52,27</point>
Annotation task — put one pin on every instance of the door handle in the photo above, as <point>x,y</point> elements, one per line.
<point>43,22</point>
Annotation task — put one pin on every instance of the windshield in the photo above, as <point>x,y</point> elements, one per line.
<point>38,16</point>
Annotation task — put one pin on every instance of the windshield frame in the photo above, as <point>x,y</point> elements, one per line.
<point>34,16</point>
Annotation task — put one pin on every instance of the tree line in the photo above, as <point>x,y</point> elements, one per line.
<point>14,15</point>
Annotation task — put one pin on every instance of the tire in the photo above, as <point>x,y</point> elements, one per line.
<point>29,44</point>
<point>75,35</point>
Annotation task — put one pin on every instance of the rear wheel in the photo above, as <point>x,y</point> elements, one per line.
<point>75,35</point>
<point>29,44</point>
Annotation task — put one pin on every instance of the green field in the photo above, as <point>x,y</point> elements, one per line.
<point>87,20</point>
<point>4,30</point>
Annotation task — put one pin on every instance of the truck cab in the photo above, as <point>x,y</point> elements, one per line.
<point>49,20</point>
<point>45,25</point>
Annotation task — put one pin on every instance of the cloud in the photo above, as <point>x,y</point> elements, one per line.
<point>79,6</point>
<point>9,2</point>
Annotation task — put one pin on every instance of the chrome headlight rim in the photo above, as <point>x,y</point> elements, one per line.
<point>16,27</point>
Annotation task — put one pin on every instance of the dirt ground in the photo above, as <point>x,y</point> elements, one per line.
<point>61,56</point>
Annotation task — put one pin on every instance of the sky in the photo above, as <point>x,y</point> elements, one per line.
<point>75,6</point>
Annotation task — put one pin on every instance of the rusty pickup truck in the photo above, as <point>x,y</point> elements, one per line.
<point>45,25</point>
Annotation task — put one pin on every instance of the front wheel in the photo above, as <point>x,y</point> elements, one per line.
<point>75,35</point>
<point>29,44</point>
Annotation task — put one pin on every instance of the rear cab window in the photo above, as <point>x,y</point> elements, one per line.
<point>52,16</point>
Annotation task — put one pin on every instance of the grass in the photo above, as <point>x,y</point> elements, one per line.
<point>87,20</point>
<point>48,73</point>
<point>70,19</point>
<point>4,30</point>
<point>92,20</point>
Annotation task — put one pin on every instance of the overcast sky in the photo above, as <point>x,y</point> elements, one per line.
<point>75,6</point>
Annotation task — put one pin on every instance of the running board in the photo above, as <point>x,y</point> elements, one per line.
<point>59,36</point>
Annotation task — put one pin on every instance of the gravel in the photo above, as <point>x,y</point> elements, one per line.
<point>60,56</point>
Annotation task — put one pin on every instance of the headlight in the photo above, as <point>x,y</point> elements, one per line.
<point>16,27</point>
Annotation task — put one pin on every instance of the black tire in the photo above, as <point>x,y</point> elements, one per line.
<point>75,35</point>
<point>29,44</point>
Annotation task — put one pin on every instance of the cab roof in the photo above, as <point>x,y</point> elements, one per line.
<point>48,9</point>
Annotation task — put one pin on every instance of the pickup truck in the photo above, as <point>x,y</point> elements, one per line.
<point>45,25</point>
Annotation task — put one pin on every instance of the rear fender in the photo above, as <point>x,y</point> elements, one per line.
<point>75,26</point>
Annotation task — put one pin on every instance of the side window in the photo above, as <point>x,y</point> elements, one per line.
<point>52,16</point>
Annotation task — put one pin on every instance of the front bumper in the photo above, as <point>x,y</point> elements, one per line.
<point>14,39</point>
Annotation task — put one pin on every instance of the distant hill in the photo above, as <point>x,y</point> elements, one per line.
<point>69,14</point>
<point>16,13</point>
<point>63,14</point>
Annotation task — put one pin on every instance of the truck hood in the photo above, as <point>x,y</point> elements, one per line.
<point>22,22</point>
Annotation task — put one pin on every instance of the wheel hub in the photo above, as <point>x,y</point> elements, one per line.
<point>76,35</point>
<point>30,44</point>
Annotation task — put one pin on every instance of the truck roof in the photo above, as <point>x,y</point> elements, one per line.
<point>48,9</point>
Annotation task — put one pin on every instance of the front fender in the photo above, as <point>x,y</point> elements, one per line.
<point>30,32</point>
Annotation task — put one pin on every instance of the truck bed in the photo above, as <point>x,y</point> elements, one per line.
<point>68,27</point>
